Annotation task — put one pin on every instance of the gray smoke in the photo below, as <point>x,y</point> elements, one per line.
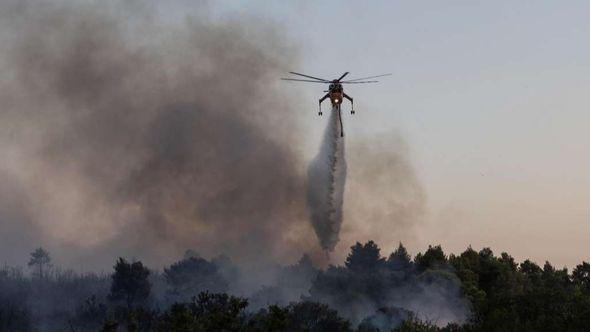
<point>326,180</point>
<point>126,134</point>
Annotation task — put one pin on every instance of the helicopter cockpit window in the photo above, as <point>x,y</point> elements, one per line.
<point>331,86</point>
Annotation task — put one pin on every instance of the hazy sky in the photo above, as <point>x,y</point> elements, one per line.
<point>491,98</point>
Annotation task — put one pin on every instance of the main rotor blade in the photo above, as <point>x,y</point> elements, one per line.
<point>315,78</point>
<point>298,80</point>
<point>366,78</point>
<point>349,82</point>
<point>341,77</point>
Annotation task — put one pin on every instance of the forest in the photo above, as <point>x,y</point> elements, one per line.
<point>433,291</point>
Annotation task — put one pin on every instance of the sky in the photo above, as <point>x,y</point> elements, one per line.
<point>491,99</point>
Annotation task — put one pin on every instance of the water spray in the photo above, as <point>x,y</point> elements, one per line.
<point>326,181</point>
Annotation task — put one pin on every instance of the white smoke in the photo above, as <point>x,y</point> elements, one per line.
<point>325,190</point>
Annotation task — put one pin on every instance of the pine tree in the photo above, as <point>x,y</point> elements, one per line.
<point>40,262</point>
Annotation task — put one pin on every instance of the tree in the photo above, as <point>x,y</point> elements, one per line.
<point>207,312</point>
<point>304,267</point>
<point>130,284</point>
<point>297,278</point>
<point>274,318</point>
<point>414,324</point>
<point>433,258</point>
<point>508,261</point>
<point>311,316</point>
<point>40,262</point>
<point>581,275</point>
<point>365,257</point>
<point>399,259</point>
<point>532,271</point>
<point>194,275</point>
<point>91,314</point>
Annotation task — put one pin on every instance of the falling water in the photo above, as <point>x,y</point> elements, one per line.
<point>327,177</point>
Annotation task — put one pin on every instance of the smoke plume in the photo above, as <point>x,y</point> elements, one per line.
<point>124,134</point>
<point>326,180</point>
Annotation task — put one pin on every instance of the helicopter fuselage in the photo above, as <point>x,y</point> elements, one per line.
<point>336,94</point>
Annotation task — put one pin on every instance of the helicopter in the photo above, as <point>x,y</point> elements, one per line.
<point>335,91</point>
